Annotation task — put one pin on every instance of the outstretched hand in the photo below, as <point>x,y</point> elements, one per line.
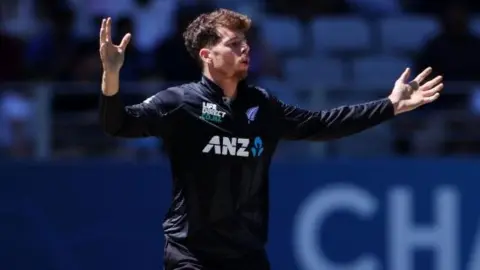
<point>112,55</point>
<point>409,95</point>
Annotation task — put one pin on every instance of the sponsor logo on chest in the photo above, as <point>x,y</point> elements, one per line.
<point>232,146</point>
<point>211,113</point>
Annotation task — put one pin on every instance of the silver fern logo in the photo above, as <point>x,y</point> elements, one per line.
<point>251,114</point>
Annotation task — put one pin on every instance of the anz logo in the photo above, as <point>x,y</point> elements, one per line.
<point>231,146</point>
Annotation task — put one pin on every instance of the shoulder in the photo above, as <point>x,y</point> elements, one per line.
<point>260,92</point>
<point>172,95</point>
<point>166,100</point>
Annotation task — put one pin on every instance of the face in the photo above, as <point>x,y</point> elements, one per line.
<point>230,56</point>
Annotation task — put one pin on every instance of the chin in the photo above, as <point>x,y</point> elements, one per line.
<point>241,74</point>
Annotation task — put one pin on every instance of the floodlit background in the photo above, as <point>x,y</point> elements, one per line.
<point>73,198</point>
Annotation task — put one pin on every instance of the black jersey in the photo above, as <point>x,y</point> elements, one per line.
<point>220,153</point>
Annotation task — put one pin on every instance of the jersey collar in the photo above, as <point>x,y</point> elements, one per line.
<point>213,88</point>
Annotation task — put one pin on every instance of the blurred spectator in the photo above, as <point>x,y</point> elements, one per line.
<point>308,9</point>
<point>263,61</point>
<point>11,55</point>
<point>173,62</point>
<point>153,22</point>
<point>55,40</point>
<point>427,6</point>
<point>86,67</point>
<point>15,124</point>
<point>438,6</point>
<point>452,53</point>
<point>51,8</point>
<point>50,53</point>
<point>112,8</point>
<point>376,7</point>
<point>18,18</point>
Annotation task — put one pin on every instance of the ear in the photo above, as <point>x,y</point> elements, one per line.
<point>205,55</point>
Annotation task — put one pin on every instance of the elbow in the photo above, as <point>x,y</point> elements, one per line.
<point>112,119</point>
<point>111,124</point>
<point>123,129</point>
<point>110,131</point>
<point>110,128</point>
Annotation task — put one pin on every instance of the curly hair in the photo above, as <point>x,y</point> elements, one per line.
<point>202,32</point>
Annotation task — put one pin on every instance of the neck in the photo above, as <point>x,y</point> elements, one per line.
<point>228,84</point>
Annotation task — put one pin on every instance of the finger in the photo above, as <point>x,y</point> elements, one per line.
<point>433,91</point>
<point>431,98</point>
<point>103,35</point>
<point>108,30</point>
<point>423,75</point>
<point>405,75</point>
<point>125,40</point>
<point>432,83</point>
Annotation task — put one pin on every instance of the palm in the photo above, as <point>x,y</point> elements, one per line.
<point>413,94</point>
<point>112,56</point>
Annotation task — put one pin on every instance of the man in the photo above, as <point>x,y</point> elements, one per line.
<point>220,134</point>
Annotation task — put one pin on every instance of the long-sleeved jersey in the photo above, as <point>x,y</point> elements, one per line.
<point>220,152</point>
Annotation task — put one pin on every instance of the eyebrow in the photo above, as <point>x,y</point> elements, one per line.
<point>235,38</point>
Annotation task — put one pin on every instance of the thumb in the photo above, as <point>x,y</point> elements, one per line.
<point>125,40</point>
<point>405,75</point>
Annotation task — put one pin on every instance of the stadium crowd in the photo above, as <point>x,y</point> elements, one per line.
<point>46,41</point>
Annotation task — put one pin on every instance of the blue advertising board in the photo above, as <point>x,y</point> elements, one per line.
<point>336,214</point>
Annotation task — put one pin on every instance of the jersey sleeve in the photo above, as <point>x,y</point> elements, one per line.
<point>149,118</point>
<point>300,124</point>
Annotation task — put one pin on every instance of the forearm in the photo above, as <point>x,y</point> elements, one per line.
<point>110,83</point>
<point>348,120</point>
<point>112,113</point>
<point>111,107</point>
<point>335,123</point>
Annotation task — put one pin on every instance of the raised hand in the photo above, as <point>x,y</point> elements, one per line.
<point>112,55</point>
<point>409,95</point>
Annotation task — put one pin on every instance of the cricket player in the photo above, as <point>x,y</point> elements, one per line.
<point>220,135</point>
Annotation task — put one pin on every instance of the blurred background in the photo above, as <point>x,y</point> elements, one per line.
<point>401,196</point>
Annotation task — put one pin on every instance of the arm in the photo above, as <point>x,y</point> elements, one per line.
<point>149,118</point>
<point>146,119</point>
<point>299,124</point>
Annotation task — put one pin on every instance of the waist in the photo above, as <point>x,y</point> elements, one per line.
<point>229,238</point>
<point>206,253</point>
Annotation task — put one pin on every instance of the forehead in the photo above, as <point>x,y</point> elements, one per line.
<point>228,34</point>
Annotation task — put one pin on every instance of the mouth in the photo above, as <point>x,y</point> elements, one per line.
<point>245,61</point>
